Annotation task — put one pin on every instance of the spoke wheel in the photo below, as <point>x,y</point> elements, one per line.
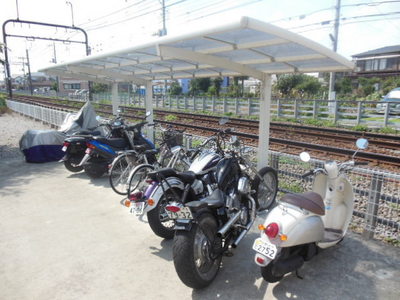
<point>266,189</point>
<point>119,173</point>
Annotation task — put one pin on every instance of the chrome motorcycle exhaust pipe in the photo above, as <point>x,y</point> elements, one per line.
<point>84,160</point>
<point>241,236</point>
<point>228,224</point>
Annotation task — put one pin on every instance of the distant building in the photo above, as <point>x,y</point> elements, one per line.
<point>71,85</point>
<point>382,62</point>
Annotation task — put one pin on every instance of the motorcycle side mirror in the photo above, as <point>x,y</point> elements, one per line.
<point>362,143</point>
<point>98,118</point>
<point>234,140</point>
<point>305,156</point>
<point>148,113</point>
<point>223,121</point>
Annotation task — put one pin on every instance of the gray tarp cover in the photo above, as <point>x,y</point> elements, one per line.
<point>85,119</point>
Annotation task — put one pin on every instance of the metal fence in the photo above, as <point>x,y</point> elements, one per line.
<point>340,112</point>
<point>377,193</point>
<point>47,115</point>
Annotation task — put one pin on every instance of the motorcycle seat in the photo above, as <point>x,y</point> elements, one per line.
<point>310,201</point>
<point>216,199</point>
<point>113,142</point>
<point>187,177</point>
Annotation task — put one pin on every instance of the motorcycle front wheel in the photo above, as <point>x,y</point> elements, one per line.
<point>266,189</point>
<point>196,254</point>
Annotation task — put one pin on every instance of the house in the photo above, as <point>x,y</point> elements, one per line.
<point>382,62</point>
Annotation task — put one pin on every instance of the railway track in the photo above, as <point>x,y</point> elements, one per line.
<point>384,150</point>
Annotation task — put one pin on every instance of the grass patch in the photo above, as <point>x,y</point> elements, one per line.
<point>360,128</point>
<point>171,118</point>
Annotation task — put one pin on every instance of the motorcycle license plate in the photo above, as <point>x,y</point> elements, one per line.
<point>64,148</point>
<point>184,213</point>
<point>88,150</point>
<point>265,248</point>
<point>137,208</point>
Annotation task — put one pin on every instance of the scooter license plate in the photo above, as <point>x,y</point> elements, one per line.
<point>64,148</point>
<point>184,213</point>
<point>88,150</point>
<point>265,248</point>
<point>137,208</point>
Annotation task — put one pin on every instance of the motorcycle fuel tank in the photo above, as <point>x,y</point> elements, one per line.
<point>227,172</point>
<point>204,162</point>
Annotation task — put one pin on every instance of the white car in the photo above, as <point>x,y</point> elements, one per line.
<point>392,99</point>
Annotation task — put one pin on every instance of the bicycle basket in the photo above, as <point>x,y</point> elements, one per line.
<point>173,139</point>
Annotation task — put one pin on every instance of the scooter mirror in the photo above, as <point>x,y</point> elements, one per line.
<point>305,156</point>
<point>362,143</point>
<point>98,118</point>
<point>223,120</point>
<point>148,113</point>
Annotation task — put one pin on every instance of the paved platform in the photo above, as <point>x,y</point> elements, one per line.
<point>64,236</point>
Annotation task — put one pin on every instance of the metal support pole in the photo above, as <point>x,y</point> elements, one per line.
<point>264,123</point>
<point>373,205</point>
<point>334,38</point>
<point>149,108</point>
<point>114,98</point>
<point>359,112</point>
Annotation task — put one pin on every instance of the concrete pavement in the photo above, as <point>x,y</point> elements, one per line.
<point>65,236</point>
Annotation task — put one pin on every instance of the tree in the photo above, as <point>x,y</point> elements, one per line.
<point>198,85</point>
<point>343,86</point>
<point>175,88</point>
<point>99,87</point>
<point>293,85</point>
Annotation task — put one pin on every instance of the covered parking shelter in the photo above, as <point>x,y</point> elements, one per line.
<point>246,47</point>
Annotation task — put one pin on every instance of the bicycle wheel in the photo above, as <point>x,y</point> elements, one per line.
<point>120,170</point>
<point>266,188</point>
<point>136,179</point>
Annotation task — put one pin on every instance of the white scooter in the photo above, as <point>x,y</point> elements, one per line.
<point>301,223</point>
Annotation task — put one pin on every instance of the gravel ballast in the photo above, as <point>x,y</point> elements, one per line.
<point>12,127</point>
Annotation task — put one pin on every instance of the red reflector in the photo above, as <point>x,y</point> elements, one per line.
<point>136,196</point>
<point>89,145</point>
<point>66,144</point>
<point>260,260</point>
<point>173,208</point>
<point>272,230</point>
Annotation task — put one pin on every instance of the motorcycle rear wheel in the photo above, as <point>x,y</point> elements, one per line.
<point>68,165</point>
<point>194,252</point>
<point>265,195</point>
<point>158,218</point>
<point>268,274</point>
<point>94,172</point>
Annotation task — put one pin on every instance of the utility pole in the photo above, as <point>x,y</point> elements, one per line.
<point>55,62</point>
<point>23,70</point>
<point>334,38</point>
<point>29,72</point>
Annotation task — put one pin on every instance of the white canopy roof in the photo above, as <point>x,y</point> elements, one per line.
<point>246,47</point>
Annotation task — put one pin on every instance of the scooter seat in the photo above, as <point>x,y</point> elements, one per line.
<point>119,143</point>
<point>151,151</point>
<point>310,201</point>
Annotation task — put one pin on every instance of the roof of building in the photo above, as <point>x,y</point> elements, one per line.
<point>383,50</point>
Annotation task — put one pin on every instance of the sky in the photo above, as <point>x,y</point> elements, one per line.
<point>117,24</point>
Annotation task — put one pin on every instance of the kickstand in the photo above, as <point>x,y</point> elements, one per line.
<point>298,276</point>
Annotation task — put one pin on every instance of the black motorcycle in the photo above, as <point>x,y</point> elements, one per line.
<point>75,145</point>
<point>210,227</point>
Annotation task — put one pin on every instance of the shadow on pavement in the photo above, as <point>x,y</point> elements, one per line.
<point>15,173</point>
